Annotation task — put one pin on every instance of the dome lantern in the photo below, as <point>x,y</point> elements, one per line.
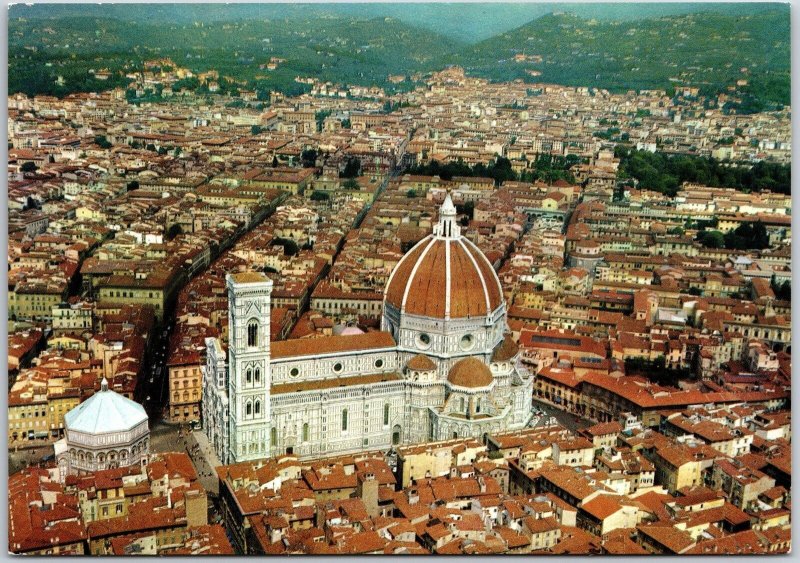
<point>447,227</point>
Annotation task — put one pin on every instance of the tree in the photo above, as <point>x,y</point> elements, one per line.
<point>711,239</point>
<point>133,185</point>
<point>318,195</point>
<point>352,168</point>
<point>102,142</point>
<point>174,231</point>
<point>410,194</point>
<point>255,129</point>
<point>28,167</point>
<point>309,157</point>
<point>350,184</point>
<point>290,247</point>
<point>320,117</point>
<point>783,291</point>
<point>748,236</point>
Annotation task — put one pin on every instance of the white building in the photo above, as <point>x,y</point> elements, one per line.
<point>106,431</point>
<point>443,365</point>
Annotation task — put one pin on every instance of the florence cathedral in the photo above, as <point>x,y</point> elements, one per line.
<point>442,366</point>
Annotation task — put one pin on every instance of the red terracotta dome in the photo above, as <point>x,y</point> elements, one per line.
<point>471,373</point>
<point>445,276</point>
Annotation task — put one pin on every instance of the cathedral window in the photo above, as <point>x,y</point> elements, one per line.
<point>273,436</point>
<point>423,341</point>
<point>305,432</point>
<point>258,376</point>
<point>344,420</point>
<point>461,404</point>
<point>248,409</point>
<point>249,376</point>
<point>386,414</point>
<point>252,334</point>
<point>257,408</point>
<point>378,363</point>
<point>337,367</point>
<point>294,372</point>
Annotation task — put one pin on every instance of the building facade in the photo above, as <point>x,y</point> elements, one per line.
<point>443,366</point>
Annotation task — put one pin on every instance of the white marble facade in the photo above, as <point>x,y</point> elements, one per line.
<point>409,383</point>
<point>106,431</point>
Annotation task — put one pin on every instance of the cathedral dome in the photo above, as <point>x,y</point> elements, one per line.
<point>471,373</point>
<point>445,276</point>
<point>421,363</point>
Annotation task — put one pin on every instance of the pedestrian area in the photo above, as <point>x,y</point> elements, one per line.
<point>205,460</point>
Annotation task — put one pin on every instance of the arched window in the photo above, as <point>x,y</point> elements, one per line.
<point>461,404</point>
<point>258,408</point>
<point>305,432</point>
<point>273,437</point>
<point>258,375</point>
<point>249,376</point>
<point>478,406</point>
<point>344,420</point>
<point>252,334</point>
<point>248,408</point>
<point>386,414</point>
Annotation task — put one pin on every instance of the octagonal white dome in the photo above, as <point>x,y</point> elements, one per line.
<point>106,411</point>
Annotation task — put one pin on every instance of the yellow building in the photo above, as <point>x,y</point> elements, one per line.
<point>185,387</point>
<point>30,300</point>
<point>27,416</point>
<point>435,460</point>
<point>292,180</point>
<point>676,468</point>
<point>141,288</point>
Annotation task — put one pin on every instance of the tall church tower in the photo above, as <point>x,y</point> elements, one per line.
<point>248,365</point>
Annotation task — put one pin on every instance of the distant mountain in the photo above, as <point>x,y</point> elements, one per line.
<point>708,50</point>
<point>466,22</point>
<point>601,45</point>
<point>336,48</point>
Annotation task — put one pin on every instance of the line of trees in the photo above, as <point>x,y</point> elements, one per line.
<point>665,173</point>
<point>545,168</point>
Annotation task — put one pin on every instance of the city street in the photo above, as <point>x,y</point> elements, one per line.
<point>174,438</point>
<point>19,459</point>
<point>567,420</point>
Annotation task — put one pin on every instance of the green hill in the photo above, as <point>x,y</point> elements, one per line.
<point>706,50</point>
<point>340,49</point>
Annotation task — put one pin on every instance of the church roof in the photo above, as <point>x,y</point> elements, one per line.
<point>506,350</point>
<point>331,345</point>
<point>421,362</point>
<point>106,411</point>
<point>445,276</point>
<point>470,372</point>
